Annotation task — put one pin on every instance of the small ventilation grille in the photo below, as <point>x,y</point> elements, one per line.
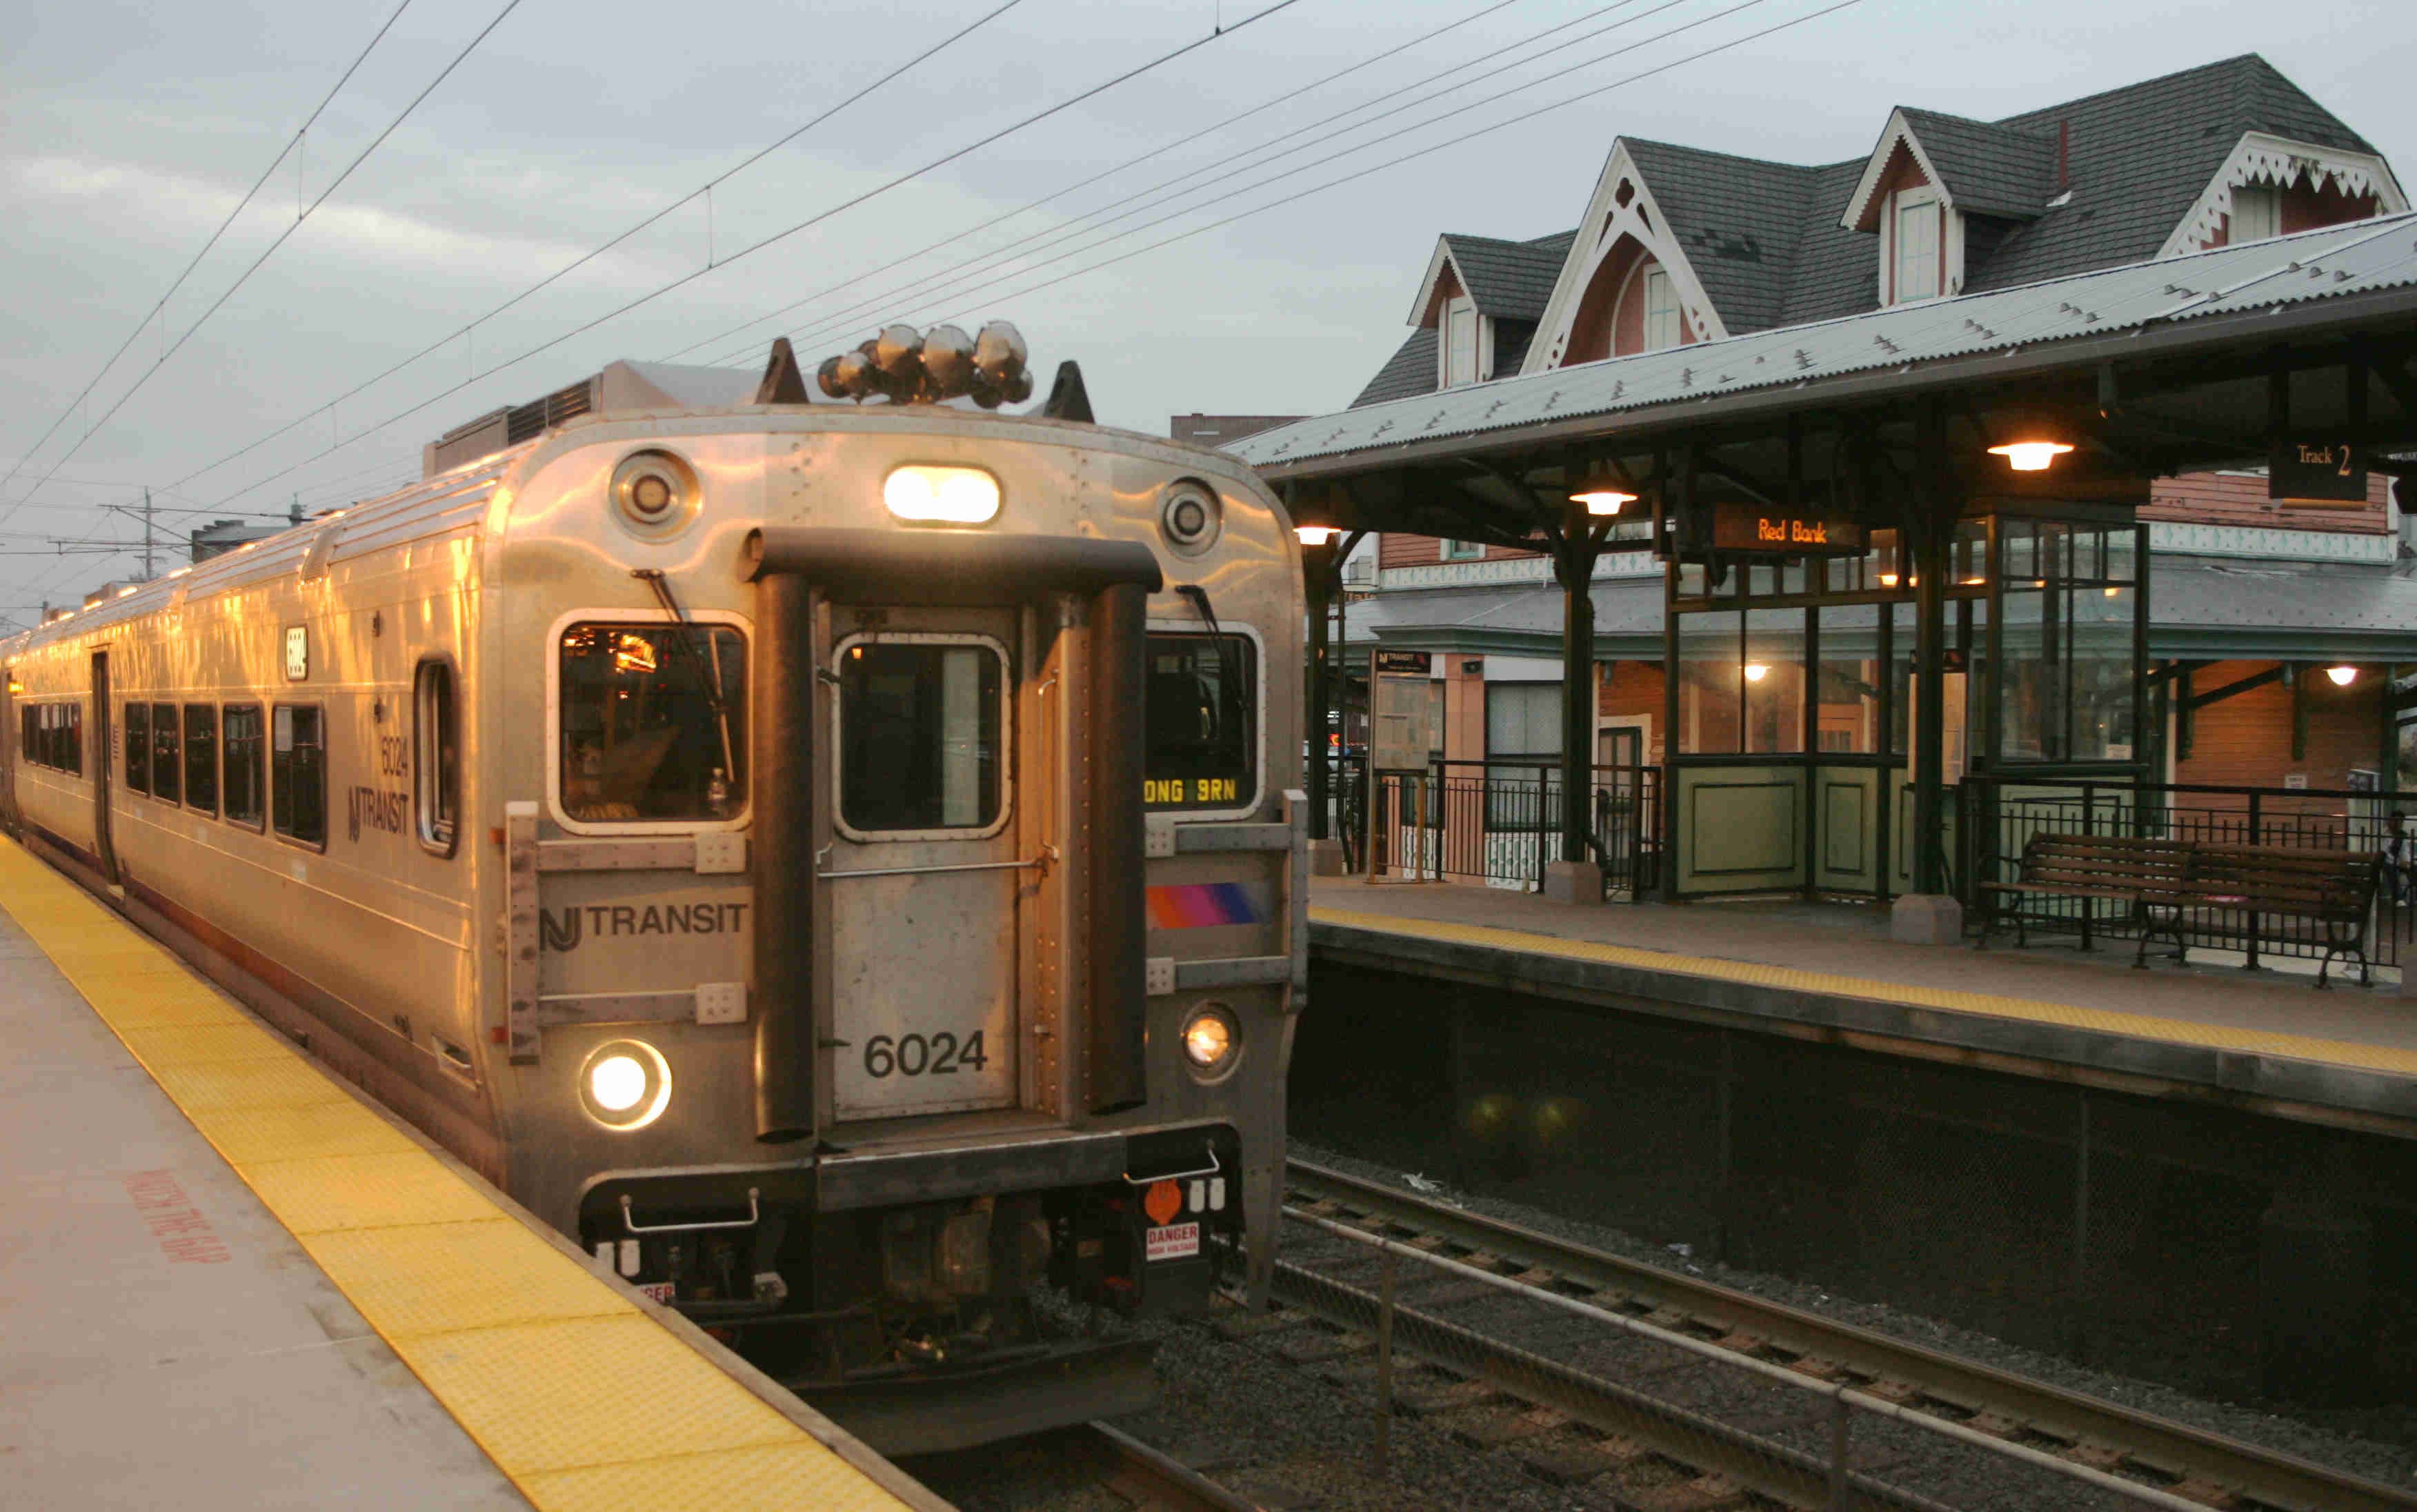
<point>542,414</point>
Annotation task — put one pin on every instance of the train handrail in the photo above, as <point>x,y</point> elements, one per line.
<point>754,1216</point>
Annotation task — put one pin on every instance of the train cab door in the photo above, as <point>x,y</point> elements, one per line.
<point>100,755</point>
<point>922,878</point>
<point>10,736</point>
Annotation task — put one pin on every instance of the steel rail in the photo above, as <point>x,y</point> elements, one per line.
<point>2174,1451</point>
<point>1153,1480</point>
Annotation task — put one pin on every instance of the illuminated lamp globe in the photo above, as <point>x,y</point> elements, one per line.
<point>616,1082</point>
<point>1756,671</point>
<point>2031,457</point>
<point>1597,488</point>
<point>2343,676</point>
<point>1315,535</point>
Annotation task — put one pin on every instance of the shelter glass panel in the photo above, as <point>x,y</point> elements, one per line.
<point>1711,684</point>
<point>1849,679</point>
<point>1773,678</point>
<point>2070,595</point>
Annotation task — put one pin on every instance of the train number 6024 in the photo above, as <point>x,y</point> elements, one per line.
<point>913,1055</point>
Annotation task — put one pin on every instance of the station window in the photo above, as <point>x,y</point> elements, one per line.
<point>1200,720</point>
<point>202,758</point>
<point>654,722</point>
<point>921,729</point>
<point>298,774</point>
<point>240,733</point>
<point>436,757</point>
<point>167,773</point>
<point>138,748</point>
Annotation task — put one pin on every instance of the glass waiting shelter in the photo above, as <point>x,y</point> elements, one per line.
<point>1792,693</point>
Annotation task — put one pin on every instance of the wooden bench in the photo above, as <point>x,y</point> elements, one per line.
<point>2122,868</point>
<point>2164,881</point>
<point>2332,889</point>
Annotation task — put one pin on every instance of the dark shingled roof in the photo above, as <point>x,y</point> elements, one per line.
<point>1988,170</point>
<point>1410,371</point>
<point>1510,280</point>
<point>1764,237</point>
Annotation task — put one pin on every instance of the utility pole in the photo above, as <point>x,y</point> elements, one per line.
<point>148,571</point>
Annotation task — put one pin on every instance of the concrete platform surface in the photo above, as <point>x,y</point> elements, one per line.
<point>1834,968</point>
<point>226,1282</point>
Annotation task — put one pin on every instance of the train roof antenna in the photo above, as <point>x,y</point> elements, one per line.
<point>1068,399</point>
<point>783,383</point>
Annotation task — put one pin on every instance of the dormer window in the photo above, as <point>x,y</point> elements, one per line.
<point>1916,263</point>
<point>1662,319</point>
<point>2257,214</point>
<point>1460,355</point>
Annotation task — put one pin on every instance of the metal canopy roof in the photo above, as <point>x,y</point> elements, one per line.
<point>2040,327</point>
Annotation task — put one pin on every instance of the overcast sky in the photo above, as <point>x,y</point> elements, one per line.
<point>131,129</point>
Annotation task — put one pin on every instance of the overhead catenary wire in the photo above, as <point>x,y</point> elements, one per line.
<point>816,330</point>
<point>1181,185</point>
<point>1284,97</point>
<point>907,176</point>
<point>1412,156</point>
<point>282,237</point>
<point>702,191</point>
<point>179,282</point>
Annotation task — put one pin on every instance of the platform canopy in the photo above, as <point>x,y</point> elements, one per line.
<point>1878,429</point>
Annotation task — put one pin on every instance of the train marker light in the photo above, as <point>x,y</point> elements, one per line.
<point>1210,1037</point>
<point>625,1084</point>
<point>921,494</point>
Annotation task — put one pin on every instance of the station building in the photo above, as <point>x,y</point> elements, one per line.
<point>2278,630</point>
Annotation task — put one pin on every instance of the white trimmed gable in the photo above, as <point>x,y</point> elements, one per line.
<point>2259,159</point>
<point>1606,223</point>
<point>1862,209</point>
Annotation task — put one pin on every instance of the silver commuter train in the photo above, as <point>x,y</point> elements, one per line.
<point>838,863</point>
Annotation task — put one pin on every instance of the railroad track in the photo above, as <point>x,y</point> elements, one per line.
<point>1070,1459</point>
<point>2151,1459</point>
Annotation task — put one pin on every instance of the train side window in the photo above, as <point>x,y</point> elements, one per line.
<point>28,719</point>
<point>138,747</point>
<point>74,753</point>
<point>240,736</point>
<point>37,742</point>
<point>654,722</point>
<point>1200,717</point>
<point>167,773</point>
<point>298,774</point>
<point>920,735</point>
<point>202,758</point>
<point>436,757</point>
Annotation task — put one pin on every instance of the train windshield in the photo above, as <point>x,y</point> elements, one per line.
<point>1201,706</point>
<point>653,723</point>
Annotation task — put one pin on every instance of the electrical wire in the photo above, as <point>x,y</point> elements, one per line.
<point>1286,97</point>
<point>701,191</point>
<point>509,6</point>
<point>1409,157</point>
<point>776,237</point>
<point>282,153</point>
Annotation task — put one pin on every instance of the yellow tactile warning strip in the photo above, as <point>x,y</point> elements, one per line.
<point>2069,1015</point>
<point>576,1393</point>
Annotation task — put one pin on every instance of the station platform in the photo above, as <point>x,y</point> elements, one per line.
<point>228,1282</point>
<point>2265,1039</point>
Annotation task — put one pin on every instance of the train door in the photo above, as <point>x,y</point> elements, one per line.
<point>100,754</point>
<point>921,879</point>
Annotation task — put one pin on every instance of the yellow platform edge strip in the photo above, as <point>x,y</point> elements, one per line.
<point>1991,1005</point>
<point>580,1398</point>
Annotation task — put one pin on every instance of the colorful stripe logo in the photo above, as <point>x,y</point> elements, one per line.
<point>1201,905</point>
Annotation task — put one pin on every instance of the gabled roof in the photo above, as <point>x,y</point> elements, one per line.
<point>1510,280</point>
<point>2329,263</point>
<point>1985,169</point>
<point>2141,155</point>
<point>1738,219</point>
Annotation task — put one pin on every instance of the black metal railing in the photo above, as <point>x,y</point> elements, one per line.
<point>2001,814</point>
<point>1499,822</point>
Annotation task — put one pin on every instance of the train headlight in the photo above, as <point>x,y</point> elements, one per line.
<point>1211,1039</point>
<point>655,495</point>
<point>625,1084</point>
<point>922,495</point>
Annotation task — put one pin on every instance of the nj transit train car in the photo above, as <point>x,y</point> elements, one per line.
<point>840,864</point>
